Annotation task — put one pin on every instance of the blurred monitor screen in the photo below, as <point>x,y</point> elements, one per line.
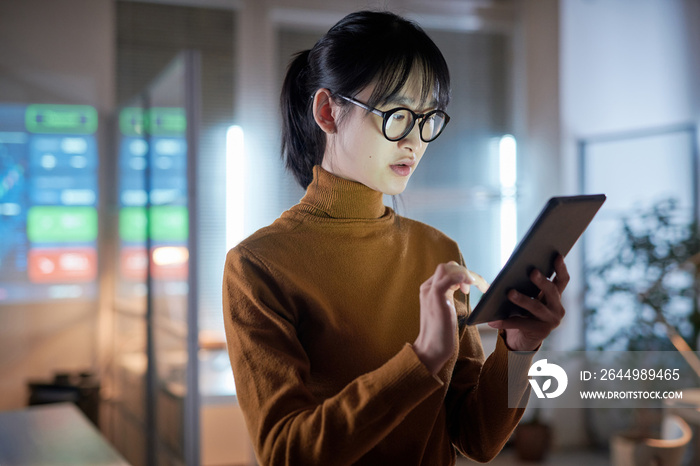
<point>48,202</point>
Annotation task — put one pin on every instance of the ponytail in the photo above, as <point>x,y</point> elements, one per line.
<point>303,142</point>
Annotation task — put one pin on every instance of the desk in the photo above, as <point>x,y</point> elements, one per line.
<point>54,434</point>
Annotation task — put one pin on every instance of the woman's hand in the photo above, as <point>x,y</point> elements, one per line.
<point>438,319</point>
<point>527,333</point>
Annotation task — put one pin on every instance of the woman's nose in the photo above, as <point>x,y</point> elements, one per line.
<point>412,141</point>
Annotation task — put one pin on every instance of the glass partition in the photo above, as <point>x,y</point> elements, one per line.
<point>131,293</point>
<point>156,325</point>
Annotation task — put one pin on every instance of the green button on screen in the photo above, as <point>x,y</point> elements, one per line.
<point>61,224</point>
<point>168,223</point>
<point>69,119</point>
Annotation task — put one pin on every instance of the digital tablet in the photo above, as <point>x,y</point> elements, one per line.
<point>556,230</point>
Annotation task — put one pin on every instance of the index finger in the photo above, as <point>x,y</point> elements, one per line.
<point>473,278</point>
<point>480,282</point>
<point>450,276</point>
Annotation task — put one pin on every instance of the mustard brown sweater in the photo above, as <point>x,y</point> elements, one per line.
<point>320,309</point>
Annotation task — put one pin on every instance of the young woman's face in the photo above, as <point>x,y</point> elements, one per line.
<point>358,151</point>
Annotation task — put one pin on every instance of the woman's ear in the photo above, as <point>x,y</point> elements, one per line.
<point>325,111</point>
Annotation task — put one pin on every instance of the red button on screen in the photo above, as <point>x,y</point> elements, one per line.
<point>62,265</point>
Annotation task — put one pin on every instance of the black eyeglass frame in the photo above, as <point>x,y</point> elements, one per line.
<point>416,116</point>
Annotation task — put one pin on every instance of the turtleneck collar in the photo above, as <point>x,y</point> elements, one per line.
<point>331,196</point>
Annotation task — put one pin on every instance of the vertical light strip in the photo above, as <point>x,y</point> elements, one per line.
<point>235,186</point>
<point>507,161</point>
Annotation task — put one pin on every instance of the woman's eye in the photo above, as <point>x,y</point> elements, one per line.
<point>397,117</point>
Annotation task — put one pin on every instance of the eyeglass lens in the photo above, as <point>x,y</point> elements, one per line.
<point>399,124</point>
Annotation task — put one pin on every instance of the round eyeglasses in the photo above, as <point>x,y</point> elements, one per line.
<point>398,122</point>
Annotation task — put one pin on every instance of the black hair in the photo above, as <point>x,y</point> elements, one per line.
<point>362,47</point>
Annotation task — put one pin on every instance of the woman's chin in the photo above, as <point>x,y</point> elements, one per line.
<point>394,189</point>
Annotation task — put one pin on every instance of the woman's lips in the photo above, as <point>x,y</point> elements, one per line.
<point>401,170</point>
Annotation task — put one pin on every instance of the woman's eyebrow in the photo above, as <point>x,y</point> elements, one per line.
<point>401,100</point>
<point>409,102</point>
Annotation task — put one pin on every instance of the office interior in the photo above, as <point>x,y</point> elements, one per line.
<point>139,141</point>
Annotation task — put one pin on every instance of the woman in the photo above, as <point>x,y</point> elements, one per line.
<point>343,320</point>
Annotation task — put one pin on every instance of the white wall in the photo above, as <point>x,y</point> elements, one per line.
<point>626,64</point>
<point>536,106</point>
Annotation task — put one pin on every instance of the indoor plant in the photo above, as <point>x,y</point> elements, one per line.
<point>649,276</point>
<point>644,293</point>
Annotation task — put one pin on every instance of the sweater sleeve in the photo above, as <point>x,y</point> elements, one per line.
<point>479,419</point>
<point>286,423</point>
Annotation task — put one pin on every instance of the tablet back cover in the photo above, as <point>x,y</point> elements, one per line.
<point>555,231</point>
